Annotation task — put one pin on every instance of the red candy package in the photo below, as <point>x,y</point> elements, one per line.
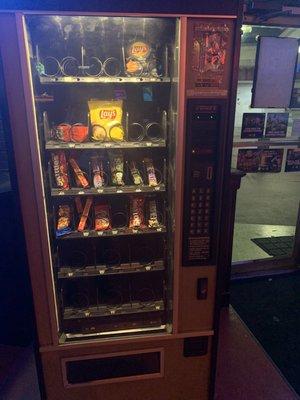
<point>80,178</point>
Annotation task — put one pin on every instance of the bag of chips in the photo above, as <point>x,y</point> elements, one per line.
<point>106,120</point>
<point>62,132</point>
<point>117,168</point>
<point>63,220</point>
<point>102,217</point>
<point>137,218</point>
<point>79,133</point>
<point>60,170</point>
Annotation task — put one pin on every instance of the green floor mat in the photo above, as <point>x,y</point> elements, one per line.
<point>276,246</point>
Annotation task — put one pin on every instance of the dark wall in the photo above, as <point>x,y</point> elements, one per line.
<point>165,6</point>
<point>16,311</point>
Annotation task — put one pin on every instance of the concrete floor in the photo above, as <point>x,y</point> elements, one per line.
<point>267,205</point>
<point>245,249</point>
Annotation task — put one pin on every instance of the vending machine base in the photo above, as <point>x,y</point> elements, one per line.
<point>153,369</point>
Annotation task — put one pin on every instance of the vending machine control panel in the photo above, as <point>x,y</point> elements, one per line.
<point>202,134</point>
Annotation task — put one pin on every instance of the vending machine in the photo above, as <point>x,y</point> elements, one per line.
<point>122,125</point>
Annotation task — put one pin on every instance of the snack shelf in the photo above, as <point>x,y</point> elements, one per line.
<point>100,270</point>
<point>135,307</point>
<point>108,190</point>
<point>53,145</point>
<point>103,79</point>
<point>113,232</point>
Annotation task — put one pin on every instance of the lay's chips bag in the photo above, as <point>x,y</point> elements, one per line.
<point>106,120</point>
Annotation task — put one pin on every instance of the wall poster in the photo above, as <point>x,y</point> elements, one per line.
<point>277,124</point>
<point>209,57</point>
<point>253,125</point>
<point>260,160</point>
<point>292,160</point>
<point>248,160</point>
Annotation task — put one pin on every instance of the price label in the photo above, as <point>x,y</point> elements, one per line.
<point>148,268</point>
<point>149,144</point>
<point>81,192</point>
<point>138,190</point>
<point>119,191</point>
<point>100,190</point>
<point>100,233</point>
<point>102,271</point>
<point>61,193</point>
<point>157,188</point>
<point>114,232</point>
<point>85,234</point>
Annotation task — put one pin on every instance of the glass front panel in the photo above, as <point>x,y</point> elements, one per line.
<point>106,109</point>
<point>266,148</point>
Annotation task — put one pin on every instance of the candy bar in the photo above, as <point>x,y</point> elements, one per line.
<point>137,219</point>
<point>150,172</point>
<point>64,220</point>
<point>79,174</point>
<point>135,173</point>
<point>85,214</point>
<point>153,218</point>
<point>59,163</point>
<point>117,168</point>
<point>98,172</point>
<point>102,217</point>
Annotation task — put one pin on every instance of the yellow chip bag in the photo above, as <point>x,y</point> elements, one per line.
<point>106,120</point>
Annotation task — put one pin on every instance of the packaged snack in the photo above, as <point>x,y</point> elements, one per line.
<point>79,174</point>
<point>153,218</point>
<point>78,205</point>
<point>117,168</point>
<point>102,217</point>
<point>79,133</point>
<point>62,132</point>
<point>137,218</point>
<point>152,180</point>
<point>98,172</point>
<point>140,59</point>
<point>106,120</point>
<point>135,173</point>
<point>85,214</point>
<point>63,220</point>
<point>60,169</point>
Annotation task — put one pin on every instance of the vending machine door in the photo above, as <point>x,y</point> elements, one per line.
<point>105,104</point>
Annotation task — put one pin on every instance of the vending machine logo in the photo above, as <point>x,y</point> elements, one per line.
<point>108,114</point>
<point>139,50</point>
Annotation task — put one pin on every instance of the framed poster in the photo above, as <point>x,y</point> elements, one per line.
<point>277,124</point>
<point>209,45</point>
<point>292,163</point>
<point>270,160</point>
<point>248,160</point>
<point>253,125</point>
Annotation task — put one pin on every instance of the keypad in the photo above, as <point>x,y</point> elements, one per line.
<point>200,211</point>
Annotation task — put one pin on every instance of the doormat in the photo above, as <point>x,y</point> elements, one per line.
<point>276,246</point>
<point>270,307</point>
